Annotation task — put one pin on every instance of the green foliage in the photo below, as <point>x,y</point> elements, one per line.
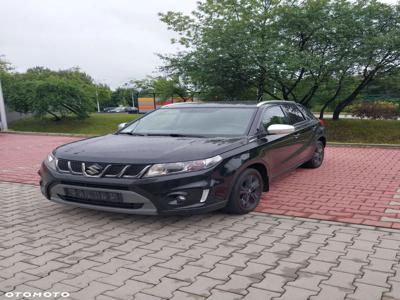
<point>324,51</point>
<point>376,110</point>
<point>163,87</point>
<point>59,93</point>
<point>121,96</point>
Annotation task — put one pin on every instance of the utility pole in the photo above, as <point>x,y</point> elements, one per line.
<point>3,117</point>
<point>97,100</point>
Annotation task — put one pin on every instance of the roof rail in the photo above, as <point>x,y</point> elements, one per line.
<point>173,104</point>
<point>262,103</point>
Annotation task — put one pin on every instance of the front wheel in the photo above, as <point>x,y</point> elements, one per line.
<point>246,193</point>
<point>318,156</point>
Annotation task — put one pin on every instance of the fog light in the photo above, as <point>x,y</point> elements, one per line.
<point>177,198</point>
<point>181,198</point>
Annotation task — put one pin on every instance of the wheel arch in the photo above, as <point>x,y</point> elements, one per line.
<point>263,172</point>
<point>322,139</point>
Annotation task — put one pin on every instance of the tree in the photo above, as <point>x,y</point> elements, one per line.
<point>291,50</point>
<point>164,87</point>
<point>123,96</point>
<point>59,93</point>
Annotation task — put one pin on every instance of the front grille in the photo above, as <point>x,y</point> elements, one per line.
<point>96,169</point>
<point>103,203</point>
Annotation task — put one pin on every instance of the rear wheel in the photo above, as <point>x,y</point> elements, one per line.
<point>246,193</point>
<point>318,156</point>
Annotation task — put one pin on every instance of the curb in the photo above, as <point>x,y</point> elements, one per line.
<point>47,133</point>
<point>367,145</point>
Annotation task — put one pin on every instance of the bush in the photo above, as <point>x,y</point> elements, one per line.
<point>376,110</point>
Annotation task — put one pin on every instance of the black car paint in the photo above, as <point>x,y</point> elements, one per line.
<point>272,155</point>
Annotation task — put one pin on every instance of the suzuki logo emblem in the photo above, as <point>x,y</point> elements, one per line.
<point>94,169</point>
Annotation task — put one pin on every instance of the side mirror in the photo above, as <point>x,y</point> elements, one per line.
<point>122,125</point>
<point>280,129</point>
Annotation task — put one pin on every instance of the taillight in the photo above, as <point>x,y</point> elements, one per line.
<point>322,122</point>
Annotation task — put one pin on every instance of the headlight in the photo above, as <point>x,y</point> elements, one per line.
<point>51,160</point>
<point>181,167</point>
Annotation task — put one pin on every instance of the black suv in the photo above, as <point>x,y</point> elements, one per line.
<point>186,158</point>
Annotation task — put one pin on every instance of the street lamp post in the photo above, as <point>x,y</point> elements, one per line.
<point>97,99</point>
<point>3,117</point>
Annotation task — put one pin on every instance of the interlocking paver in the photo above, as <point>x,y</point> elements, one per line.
<point>331,293</point>
<point>154,275</point>
<point>367,291</point>
<point>307,281</point>
<point>223,295</point>
<point>128,289</point>
<point>342,280</point>
<point>46,282</point>
<point>273,282</point>
<point>215,256</point>
<point>254,270</point>
<point>395,290</point>
<point>295,293</point>
<point>257,294</point>
<point>201,286</point>
<point>237,284</point>
<point>221,272</point>
<point>83,280</point>
<point>188,273</point>
<point>166,287</point>
<point>179,295</point>
<point>92,291</point>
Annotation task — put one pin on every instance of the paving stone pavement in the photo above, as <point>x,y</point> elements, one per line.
<point>47,247</point>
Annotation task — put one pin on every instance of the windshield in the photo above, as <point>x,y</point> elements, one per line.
<point>206,121</point>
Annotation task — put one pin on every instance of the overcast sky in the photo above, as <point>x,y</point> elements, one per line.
<point>112,40</point>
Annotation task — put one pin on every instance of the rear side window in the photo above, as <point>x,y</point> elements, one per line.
<point>308,114</point>
<point>294,114</point>
<point>273,115</point>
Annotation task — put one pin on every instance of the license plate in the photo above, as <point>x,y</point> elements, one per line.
<point>93,195</point>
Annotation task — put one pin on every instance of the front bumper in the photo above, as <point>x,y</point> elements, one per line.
<point>146,196</point>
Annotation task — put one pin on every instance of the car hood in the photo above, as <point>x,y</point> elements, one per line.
<point>145,149</point>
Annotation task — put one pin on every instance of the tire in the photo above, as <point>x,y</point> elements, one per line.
<point>246,193</point>
<point>318,156</point>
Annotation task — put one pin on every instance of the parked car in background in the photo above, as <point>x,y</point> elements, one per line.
<point>131,110</point>
<point>107,109</point>
<point>186,158</point>
<point>122,109</point>
<point>119,109</point>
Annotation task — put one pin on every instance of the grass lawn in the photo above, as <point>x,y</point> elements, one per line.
<point>345,131</point>
<point>97,124</point>
<point>363,131</point>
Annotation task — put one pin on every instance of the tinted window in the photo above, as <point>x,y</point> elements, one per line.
<point>205,121</point>
<point>274,115</point>
<point>306,112</point>
<point>294,114</point>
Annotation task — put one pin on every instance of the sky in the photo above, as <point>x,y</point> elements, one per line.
<point>112,40</point>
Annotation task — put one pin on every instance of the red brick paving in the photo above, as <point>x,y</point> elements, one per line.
<point>354,185</point>
<point>21,155</point>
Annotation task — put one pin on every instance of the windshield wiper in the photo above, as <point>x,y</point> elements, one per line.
<point>132,133</point>
<point>176,135</point>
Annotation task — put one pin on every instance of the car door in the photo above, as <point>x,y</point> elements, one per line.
<point>277,149</point>
<point>303,136</point>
